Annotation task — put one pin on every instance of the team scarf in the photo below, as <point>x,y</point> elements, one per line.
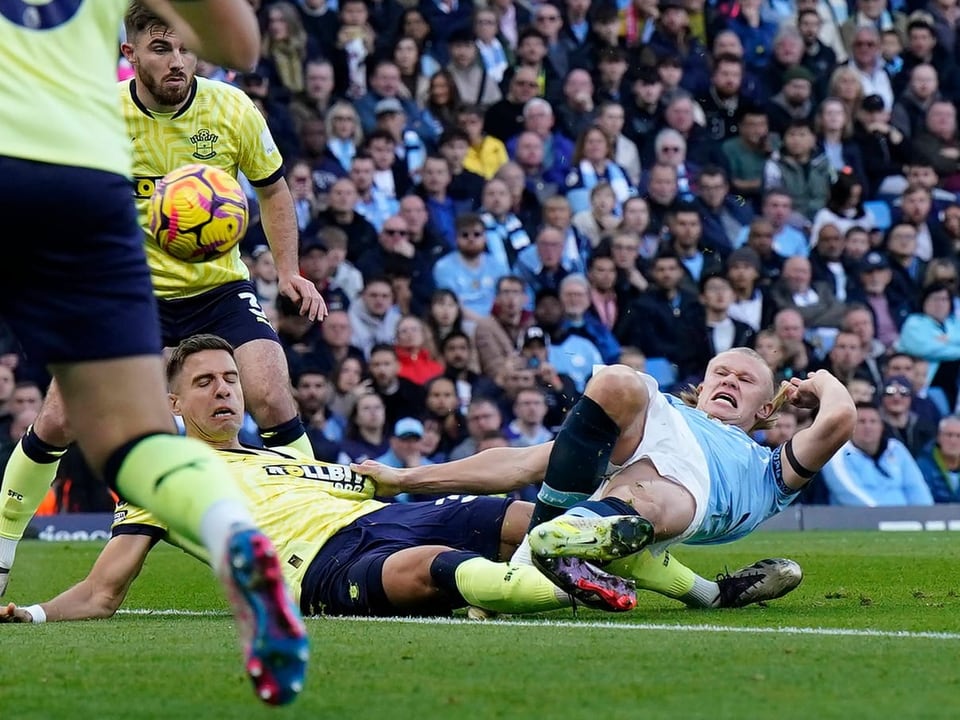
<point>510,231</point>
<point>612,174</point>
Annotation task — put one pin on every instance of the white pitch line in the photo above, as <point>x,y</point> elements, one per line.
<point>600,625</point>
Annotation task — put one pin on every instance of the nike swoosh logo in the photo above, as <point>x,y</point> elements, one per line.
<point>192,465</point>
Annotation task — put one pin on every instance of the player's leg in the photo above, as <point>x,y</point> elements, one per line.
<point>82,302</point>
<point>268,396</point>
<point>605,424</point>
<point>28,475</point>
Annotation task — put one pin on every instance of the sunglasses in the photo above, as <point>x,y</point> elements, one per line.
<point>892,390</point>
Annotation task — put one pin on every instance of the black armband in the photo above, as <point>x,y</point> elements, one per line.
<point>799,469</point>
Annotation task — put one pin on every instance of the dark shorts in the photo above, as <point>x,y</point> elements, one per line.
<point>345,578</point>
<point>74,284</point>
<point>231,311</point>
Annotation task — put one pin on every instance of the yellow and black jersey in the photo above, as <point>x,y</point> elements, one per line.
<point>218,125</point>
<point>299,502</point>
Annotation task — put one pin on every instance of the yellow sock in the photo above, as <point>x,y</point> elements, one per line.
<point>186,486</point>
<point>502,587</point>
<point>25,484</point>
<point>663,574</point>
<point>302,445</point>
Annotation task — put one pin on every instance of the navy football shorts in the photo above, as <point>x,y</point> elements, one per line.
<point>231,311</point>
<point>345,577</point>
<point>74,284</point>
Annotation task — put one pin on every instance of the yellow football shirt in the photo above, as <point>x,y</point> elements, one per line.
<point>57,98</point>
<point>219,125</point>
<point>300,503</point>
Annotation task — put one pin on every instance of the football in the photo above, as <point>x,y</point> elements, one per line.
<point>198,213</point>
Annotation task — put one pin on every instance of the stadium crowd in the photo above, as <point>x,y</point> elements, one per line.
<point>493,199</point>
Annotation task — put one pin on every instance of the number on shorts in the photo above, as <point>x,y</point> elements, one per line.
<point>254,308</point>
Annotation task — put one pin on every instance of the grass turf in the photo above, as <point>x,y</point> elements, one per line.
<point>718,664</point>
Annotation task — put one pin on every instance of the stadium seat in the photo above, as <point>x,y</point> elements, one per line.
<point>881,211</point>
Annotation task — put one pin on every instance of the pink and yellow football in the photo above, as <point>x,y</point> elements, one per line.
<point>198,213</point>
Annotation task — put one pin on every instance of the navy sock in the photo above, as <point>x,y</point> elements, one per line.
<point>443,571</point>
<point>41,452</point>
<point>578,460</point>
<point>607,507</point>
<point>283,434</point>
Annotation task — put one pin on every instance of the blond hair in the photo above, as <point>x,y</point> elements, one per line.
<point>691,394</point>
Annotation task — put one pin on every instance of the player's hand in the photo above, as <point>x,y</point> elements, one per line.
<point>13,614</point>
<point>806,393</point>
<point>305,294</point>
<point>387,479</point>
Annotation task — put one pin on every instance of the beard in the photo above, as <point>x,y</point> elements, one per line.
<point>168,96</point>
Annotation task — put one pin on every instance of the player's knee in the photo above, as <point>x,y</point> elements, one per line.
<point>619,390</point>
<point>52,427</point>
<point>271,404</point>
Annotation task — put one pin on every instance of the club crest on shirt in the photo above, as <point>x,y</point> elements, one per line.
<point>203,141</point>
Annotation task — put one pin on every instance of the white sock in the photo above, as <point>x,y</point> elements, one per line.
<point>219,522</point>
<point>8,551</point>
<point>704,594</point>
<point>521,555</point>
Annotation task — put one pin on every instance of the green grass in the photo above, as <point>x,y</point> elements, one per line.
<point>135,666</point>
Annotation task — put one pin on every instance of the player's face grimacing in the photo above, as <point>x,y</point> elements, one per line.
<point>737,389</point>
<point>208,396</point>
<point>164,67</point>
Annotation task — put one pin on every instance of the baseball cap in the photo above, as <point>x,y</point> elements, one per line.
<point>388,105</point>
<point>873,261</point>
<point>533,334</point>
<point>408,428</point>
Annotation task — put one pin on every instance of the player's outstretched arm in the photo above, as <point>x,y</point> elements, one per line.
<point>225,32</point>
<point>280,227</point>
<point>813,446</point>
<point>101,592</point>
<point>497,470</point>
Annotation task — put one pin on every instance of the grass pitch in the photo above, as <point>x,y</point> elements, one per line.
<point>873,632</point>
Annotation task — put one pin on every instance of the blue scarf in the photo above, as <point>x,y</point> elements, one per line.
<point>613,174</point>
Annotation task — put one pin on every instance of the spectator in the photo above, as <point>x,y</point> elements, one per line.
<point>341,213</point>
<point>821,311</point>
<point>799,171</point>
<point>465,186</point>
<point>937,143</point>
<point>374,318</point>
<point>786,240</point>
<point>470,271</point>
<point>720,331</point>
<point>527,428</point>
<point>409,61</point>
<point>483,416</point>
<point>912,105</point>
<point>866,60</point>
<point>473,84</point>
<point>544,264</point>
<point>664,321</point>
<point>905,425</point>
<point>939,462</point>
<point>575,299</point>
<point>366,437</point>
<point>443,414</point>
<point>883,147</point>
<point>828,264</point>
<point>415,353</point>
<point>724,216</point>
<point>504,119</point>
<point>610,118</point>
<point>845,360</point>
<point>933,334</point>
<point>505,233</point>
<point>874,469</point>
<point>795,101</point>
<point>435,191</point>
<point>747,154</point>
<point>498,336</point>
<point>889,306</point>
<point>844,208</point>
<point>400,396</point>
<point>750,304</point>
<point>404,449</point>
